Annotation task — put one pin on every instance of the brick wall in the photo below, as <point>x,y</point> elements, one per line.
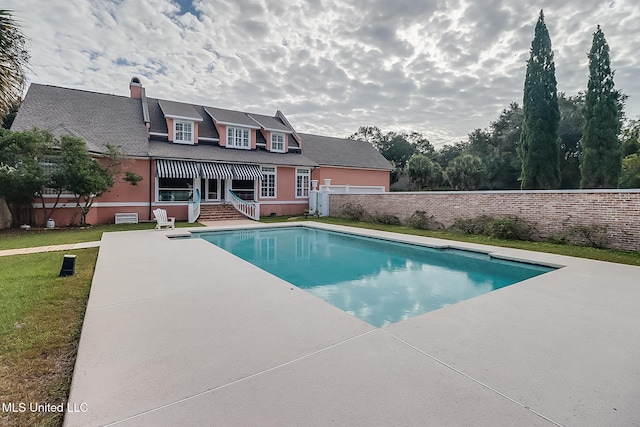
<point>552,211</point>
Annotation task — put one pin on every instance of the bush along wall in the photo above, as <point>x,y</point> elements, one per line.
<point>508,228</point>
<point>599,218</point>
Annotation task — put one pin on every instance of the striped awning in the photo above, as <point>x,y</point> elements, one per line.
<point>217,171</point>
<point>247,172</point>
<point>177,169</point>
<point>208,170</point>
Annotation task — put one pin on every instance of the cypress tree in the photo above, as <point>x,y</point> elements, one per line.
<point>601,161</point>
<point>539,146</point>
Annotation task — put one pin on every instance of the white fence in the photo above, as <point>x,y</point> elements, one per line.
<point>319,199</point>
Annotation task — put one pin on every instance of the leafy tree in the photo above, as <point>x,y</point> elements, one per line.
<point>480,144</point>
<point>466,172</point>
<point>449,152</point>
<point>83,175</point>
<point>539,140</point>
<point>631,138</point>
<point>506,132</point>
<point>21,175</point>
<point>424,172</point>
<point>570,134</point>
<point>10,115</point>
<point>483,144</point>
<point>371,134</point>
<point>14,60</point>
<point>601,161</point>
<point>630,176</point>
<point>395,147</point>
<point>421,144</point>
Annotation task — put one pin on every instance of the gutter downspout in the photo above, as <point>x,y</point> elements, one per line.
<point>147,125</point>
<point>151,181</point>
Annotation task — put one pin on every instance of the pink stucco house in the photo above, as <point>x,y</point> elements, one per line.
<point>232,157</point>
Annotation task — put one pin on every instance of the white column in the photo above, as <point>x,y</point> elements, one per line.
<point>313,201</point>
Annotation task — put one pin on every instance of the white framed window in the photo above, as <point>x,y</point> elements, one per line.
<point>302,182</point>
<point>49,165</point>
<point>268,184</point>
<point>277,142</point>
<point>183,132</point>
<point>239,138</point>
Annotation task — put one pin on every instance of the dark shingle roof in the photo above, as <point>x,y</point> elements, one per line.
<point>98,118</point>
<point>230,116</point>
<point>179,109</point>
<point>164,149</point>
<point>102,119</point>
<point>270,123</point>
<point>206,129</point>
<point>328,151</point>
<point>158,123</point>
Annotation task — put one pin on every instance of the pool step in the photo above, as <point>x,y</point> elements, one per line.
<point>219,213</point>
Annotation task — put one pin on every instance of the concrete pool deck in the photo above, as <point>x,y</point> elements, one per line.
<point>180,332</point>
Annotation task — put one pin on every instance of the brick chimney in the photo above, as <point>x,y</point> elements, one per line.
<point>135,87</point>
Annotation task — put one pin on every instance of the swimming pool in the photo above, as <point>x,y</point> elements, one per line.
<point>379,281</point>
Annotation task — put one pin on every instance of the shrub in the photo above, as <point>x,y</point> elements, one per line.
<point>420,220</point>
<point>387,219</point>
<point>353,211</point>
<point>587,235</point>
<point>511,228</point>
<point>479,225</point>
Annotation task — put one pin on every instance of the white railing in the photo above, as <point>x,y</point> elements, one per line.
<point>249,209</point>
<point>353,189</point>
<point>194,207</point>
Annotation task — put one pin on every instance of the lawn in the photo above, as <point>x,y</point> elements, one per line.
<point>41,314</point>
<point>610,255</point>
<point>40,321</point>
<point>12,239</point>
<point>41,318</point>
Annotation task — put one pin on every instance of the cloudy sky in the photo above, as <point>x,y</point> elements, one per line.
<point>440,67</point>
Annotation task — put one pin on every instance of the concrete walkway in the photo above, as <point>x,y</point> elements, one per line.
<point>51,248</point>
<point>180,332</point>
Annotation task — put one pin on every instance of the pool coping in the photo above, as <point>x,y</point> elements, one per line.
<point>561,348</point>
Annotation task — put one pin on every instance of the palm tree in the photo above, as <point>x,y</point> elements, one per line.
<point>14,62</point>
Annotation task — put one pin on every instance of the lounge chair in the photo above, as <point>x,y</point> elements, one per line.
<point>162,220</point>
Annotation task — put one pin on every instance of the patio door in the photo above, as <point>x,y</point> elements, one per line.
<point>213,189</point>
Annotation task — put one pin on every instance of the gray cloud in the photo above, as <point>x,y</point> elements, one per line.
<point>442,68</point>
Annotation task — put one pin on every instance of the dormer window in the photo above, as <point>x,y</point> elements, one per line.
<point>277,142</point>
<point>239,138</point>
<point>183,132</point>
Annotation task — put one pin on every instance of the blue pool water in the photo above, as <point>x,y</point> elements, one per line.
<point>378,281</point>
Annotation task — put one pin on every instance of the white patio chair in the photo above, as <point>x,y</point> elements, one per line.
<point>162,220</point>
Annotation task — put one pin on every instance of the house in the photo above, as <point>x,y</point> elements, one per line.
<point>231,157</point>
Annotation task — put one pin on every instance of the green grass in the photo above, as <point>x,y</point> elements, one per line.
<point>41,314</point>
<point>41,317</point>
<point>40,321</point>
<point>610,255</point>
<point>13,239</point>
